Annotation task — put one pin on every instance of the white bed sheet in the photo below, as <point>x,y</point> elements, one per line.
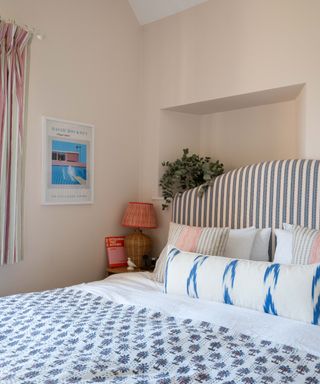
<point>141,290</point>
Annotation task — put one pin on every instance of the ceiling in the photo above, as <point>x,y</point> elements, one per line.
<point>148,11</point>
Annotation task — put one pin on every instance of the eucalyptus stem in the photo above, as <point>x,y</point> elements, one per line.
<point>188,172</point>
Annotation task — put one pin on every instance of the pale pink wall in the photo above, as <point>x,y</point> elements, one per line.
<point>86,69</point>
<point>230,47</point>
<point>249,135</point>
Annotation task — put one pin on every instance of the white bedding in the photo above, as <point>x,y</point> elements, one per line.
<point>141,290</point>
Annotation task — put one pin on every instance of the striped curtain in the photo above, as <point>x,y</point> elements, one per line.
<point>13,55</point>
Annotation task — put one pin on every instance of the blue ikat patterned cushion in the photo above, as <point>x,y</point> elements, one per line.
<point>291,291</point>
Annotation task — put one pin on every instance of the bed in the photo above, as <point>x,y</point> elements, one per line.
<point>124,329</point>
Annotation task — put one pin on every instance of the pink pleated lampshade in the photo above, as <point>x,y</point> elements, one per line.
<point>139,215</point>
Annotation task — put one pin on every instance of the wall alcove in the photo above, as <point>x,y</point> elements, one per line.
<point>237,130</point>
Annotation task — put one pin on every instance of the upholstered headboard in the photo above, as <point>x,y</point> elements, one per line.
<point>261,195</point>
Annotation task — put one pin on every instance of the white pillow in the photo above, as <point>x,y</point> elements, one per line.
<point>283,254</point>
<point>288,227</point>
<point>284,248</point>
<point>291,291</point>
<point>260,248</point>
<point>240,243</point>
<point>248,243</point>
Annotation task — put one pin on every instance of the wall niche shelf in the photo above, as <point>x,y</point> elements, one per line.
<point>248,100</point>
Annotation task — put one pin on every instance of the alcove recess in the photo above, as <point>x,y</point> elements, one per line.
<point>237,130</point>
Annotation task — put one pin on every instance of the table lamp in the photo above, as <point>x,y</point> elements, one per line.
<point>137,216</point>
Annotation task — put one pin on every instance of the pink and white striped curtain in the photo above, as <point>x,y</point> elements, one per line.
<point>13,56</point>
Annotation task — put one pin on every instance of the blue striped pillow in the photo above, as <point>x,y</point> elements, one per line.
<point>291,291</point>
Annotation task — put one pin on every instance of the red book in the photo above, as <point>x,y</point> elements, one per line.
<point>115,251</point>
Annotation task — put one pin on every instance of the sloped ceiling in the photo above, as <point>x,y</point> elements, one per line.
<point>148,11</point>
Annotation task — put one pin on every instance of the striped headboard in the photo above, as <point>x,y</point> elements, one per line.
<point>261,195</point>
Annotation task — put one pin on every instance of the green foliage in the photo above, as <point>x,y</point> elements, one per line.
<point>188,172</point>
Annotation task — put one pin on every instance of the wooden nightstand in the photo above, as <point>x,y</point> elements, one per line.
<point>112,271</point>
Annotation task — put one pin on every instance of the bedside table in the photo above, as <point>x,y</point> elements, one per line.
<point>113,271</point>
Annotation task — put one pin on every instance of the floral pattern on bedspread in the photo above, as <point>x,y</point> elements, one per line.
<point>69,336</point>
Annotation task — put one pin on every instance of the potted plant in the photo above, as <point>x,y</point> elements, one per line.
<point>187,172</point>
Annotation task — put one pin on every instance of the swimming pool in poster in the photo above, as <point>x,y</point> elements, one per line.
<point>67,175</point>
<point>69,163</point>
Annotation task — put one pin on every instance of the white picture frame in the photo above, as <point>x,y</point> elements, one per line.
<point>67,162</point>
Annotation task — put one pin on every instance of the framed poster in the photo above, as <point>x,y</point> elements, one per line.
<point>67,162</point>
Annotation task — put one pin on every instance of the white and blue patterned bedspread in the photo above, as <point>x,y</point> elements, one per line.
<point>69,336</point>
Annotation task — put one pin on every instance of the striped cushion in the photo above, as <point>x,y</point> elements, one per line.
<point>306,245</point>
<point>210,241</point>
<point>291,291</point>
